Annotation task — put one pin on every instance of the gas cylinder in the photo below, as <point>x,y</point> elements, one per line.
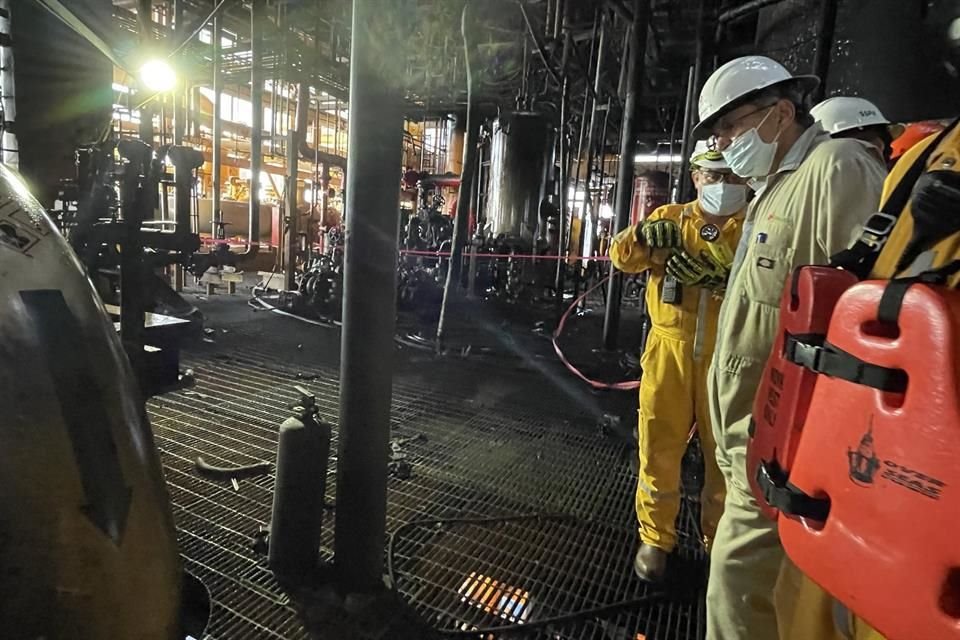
<point>302,453</point>
<point>88,547</point>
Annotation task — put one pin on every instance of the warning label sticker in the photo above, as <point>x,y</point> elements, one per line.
<point>18,230</point>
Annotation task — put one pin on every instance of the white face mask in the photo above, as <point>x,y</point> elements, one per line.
<point>722,199</point>
<point>748,155</point>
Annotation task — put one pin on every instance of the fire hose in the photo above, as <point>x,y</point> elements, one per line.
<point>596,384</point>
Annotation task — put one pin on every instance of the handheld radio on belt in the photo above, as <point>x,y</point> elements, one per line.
<point>801,351</point>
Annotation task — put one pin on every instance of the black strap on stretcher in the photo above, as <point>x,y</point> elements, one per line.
<point>892,300</point>
<point>813,352</point>
<point>862,255</point>
<point>779,493</point>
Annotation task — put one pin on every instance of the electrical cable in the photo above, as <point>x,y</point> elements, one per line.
<point>280,312</point>
<point>524,627</point>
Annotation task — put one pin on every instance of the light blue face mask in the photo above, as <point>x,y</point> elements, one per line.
<point>722,199</point>
<point>748,155</point>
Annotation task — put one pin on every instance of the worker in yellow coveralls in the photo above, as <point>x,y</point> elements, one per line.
<point>687,250</point>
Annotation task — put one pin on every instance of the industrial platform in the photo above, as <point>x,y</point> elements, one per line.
<point>485,442</point>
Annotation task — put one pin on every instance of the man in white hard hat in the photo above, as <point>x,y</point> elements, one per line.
<point>687,250</point>
<point>813,194</point>
<point>852,117</point>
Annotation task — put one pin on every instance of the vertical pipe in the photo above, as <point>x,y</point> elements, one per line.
<point>821,58</point>
<point>216,214</point>
<point>295,135</point>
<point>258,18</point>
<point>145,20</point>
<point>588,209</point>
<point>638,47</point>
<point>558,18</point>
<point>694,80</point>
<point>583,130</point>
<point>179,93</point>
<point>563,182</point>
<point>471,139</point>
<point>686,144</point>
<point>370,266</point>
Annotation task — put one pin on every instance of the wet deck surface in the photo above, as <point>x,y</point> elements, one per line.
<point>497,437</point>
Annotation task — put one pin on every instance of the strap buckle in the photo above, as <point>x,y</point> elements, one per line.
<point>876,230</point>
<point>805,351</point>
<point>787,498</point>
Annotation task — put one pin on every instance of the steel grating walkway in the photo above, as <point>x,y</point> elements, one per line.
<point>494,445</point>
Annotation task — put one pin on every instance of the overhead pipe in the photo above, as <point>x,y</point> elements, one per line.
<point>742,11</point>
<point>217,160</point>
<point>369,298</point>
<point>295,135</point>
<point>258,17</point>
<point>821,57</point>
<point>628,134</point>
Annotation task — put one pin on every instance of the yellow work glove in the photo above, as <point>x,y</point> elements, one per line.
<point>720,253</point>
<point>659,234</point>
<point>703,270</point>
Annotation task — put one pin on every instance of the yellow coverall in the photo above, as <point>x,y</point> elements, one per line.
<point>673,393</point>
<point>803,609</point>
<point>811,208</point>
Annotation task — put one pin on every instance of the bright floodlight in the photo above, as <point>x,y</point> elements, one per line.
<point>158,75</point>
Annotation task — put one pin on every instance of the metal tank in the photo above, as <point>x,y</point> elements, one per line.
<point>87,543</point>
<point>516,170</point>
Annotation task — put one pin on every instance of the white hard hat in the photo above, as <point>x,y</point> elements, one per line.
<point>737,79</point>
<point>843,113</point>
<point>706,158</point>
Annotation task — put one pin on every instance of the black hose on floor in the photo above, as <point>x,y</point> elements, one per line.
<point>574,616</point>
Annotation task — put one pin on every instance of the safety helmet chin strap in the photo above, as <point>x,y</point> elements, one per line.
<point>862,255</point>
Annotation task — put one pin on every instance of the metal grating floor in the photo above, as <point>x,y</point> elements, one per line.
<point>497,443</point>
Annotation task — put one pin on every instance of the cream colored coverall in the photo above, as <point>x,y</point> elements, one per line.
<point>810,209</point>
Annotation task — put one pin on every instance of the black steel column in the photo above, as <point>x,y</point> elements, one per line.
<point>370,264</point>
<point>638,46</point>
<point>258,18</point>
<point>216,215</point>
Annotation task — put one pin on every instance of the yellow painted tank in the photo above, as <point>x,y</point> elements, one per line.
<point>87,542</point>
